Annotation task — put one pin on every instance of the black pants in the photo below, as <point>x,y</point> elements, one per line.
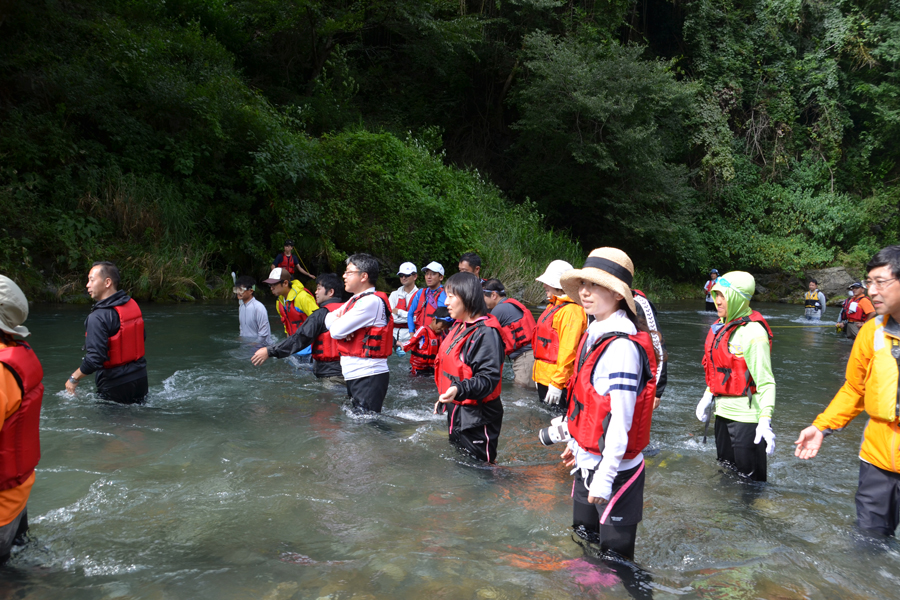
<point>481,440</point>
<point>736,450</point>
<point>618,532</point>
<point>133,392</point>
<point>367,393</point>
<point>711,306</point>
<point>877,500</point>
<point>13,534</point>
<point>563,399</point>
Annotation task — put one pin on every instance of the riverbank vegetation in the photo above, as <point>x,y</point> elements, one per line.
<point>187,139</point>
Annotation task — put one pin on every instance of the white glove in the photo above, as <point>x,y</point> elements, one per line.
<point>553,395</point>
<point>764,431</point>
<point>703,406</point>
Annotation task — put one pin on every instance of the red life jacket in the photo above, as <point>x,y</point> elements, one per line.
<point>291,316</point>
<point>127,345</point>
<point>519,333</point>
<point>20,445</point>
<point>425,311</point>
<point>726,374</point>
<point>588,413</point>
<point>423,354</point>
<point>324,347</point>
<point>449,367</point>
<point>545,341</point>
<point>402,304</point>
<point>857,315</point>
<point>371,341</point>
<point>288,262</point>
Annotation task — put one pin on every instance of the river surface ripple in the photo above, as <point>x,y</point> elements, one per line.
<point>243,482</point>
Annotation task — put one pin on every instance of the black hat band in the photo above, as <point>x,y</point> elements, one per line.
<point>614,269</point>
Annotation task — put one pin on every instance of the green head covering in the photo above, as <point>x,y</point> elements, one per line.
<point>737,287</point>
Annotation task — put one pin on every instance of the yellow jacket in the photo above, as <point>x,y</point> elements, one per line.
<point>569,323</point>
<point>871,385</point>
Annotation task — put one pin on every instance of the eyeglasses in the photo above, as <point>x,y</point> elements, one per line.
<point>402,275</point>
<point>349,272</point>
<point>878,283</point>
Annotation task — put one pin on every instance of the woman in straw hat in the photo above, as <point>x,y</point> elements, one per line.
<point>555,337</point>
<point>21,393</point>
<point>610,404</point>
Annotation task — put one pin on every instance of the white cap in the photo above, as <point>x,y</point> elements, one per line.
<point>278,275</point>
<point>407,268</point>
<point>552,273</point>
<point>434,266</point>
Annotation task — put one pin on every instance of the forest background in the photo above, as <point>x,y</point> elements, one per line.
<point>184,139</point>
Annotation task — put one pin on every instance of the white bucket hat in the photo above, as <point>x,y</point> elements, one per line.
<point>13,308</point>
<point>551,274</point>
<point>609,267</point>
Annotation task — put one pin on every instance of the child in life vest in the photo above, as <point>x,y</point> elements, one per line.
<point>610,404</point>
<point>424,343</point>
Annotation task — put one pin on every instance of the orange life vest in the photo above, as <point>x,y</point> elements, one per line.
<point>449,367</point>
<point>588,410</point>
<point>20,445</point>
<point>372,341</point>
<point>520,332</point>
<point>324,347</point>
<point>727,374</point>
<point>545,340</point>
<point>127,345</point>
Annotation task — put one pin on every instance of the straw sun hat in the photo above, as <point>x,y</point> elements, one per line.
<point>609,267</point>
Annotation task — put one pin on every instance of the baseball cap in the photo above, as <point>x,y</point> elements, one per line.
<point>278,275</point>
<point>854,285</point>
<point>407,268</point>
<point>434,266</point>
<point>289,243</point>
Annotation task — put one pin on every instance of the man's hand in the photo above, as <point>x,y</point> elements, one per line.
<point>597,500</point>
<point>71,386</point>
<point>260,356</point>
<point>656,402</point>
<point>568,457</point>
<point>446,397</point>
<point>808,443</point>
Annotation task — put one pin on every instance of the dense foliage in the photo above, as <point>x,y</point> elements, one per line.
<point>187,138</point>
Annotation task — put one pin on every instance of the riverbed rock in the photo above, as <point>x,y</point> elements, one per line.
<point>832,281</point>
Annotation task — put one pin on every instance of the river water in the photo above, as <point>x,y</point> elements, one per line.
<point>243,482</point>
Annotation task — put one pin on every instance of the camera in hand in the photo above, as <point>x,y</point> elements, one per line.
<point>556,433</point>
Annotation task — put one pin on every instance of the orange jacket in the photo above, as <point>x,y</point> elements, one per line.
<point>871,385</point>
<point>569,323</point>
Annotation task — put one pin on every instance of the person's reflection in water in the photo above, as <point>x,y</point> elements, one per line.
<point>637,582</point>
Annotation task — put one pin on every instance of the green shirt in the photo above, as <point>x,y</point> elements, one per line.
<point>751,342</point>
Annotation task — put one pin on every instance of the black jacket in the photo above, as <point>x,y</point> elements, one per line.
<point>101,324</point>
<point>312,327</point>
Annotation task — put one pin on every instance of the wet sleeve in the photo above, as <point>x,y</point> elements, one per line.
<point>755,342</point>
<point>262,322</point>
<point>313,327</point>
<point>571,324</point>
<point>306,303</point>
<point>96,342</point>
<point>484,354</point>
<point>849,402</point>
<point>414,339</point>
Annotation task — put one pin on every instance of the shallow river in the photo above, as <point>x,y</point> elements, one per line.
<point>243,482</point>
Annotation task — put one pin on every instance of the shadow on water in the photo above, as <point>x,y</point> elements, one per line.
<point>236,481</point>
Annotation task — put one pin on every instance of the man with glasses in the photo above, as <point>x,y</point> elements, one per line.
<point>872,385</point>
<point>363,329</point>
<point>400,301</point>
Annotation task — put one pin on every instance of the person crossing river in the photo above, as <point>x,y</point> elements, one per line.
<point>738,366</point>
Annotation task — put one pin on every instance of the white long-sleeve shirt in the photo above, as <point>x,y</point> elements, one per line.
<point>618,373</point>
<point>368,311</point>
